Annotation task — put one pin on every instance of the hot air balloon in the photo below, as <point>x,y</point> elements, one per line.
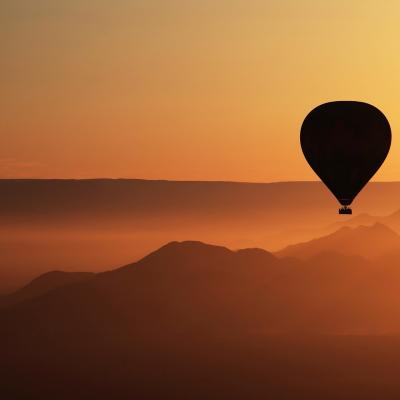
<point>345,143</point>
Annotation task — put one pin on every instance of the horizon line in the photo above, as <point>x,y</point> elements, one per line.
<point>176,180</point>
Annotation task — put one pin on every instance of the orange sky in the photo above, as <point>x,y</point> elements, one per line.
<point>186,89</point>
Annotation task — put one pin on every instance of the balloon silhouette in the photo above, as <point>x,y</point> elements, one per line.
<point>345,143</point>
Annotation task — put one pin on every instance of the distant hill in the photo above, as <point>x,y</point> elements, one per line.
<point>43,284</point>
<point>361,219</point>
<point>392,221</point>
<point>367,241</point>
<point>83,201</point>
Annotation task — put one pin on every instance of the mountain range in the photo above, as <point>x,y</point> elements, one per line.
<point>192,276</point>
<point>392,221</point>
<point>191,286</point>
<point>190,310</point>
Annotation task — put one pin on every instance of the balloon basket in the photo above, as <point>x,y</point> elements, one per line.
<point>345,210</point>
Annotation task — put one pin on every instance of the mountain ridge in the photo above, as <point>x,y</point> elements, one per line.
<point>369,241</point>
<point>192,285</point>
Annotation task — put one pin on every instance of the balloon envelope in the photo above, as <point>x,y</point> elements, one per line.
<point>345,143</point>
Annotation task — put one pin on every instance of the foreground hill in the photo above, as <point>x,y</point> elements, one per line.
<point>369,241</point>
<point>196,321</point>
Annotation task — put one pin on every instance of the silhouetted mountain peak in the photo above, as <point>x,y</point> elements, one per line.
<point>45,283</point>
<point>190,245</point>
<point>376,228</point>
<point>196,256</point>
<point>53,279</point>
<point>198,250</point>
<point>185,253</point>
<point>190,248</point>
<point>370,241</point>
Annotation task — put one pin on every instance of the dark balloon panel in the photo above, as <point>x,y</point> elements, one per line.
<point>345,143</point>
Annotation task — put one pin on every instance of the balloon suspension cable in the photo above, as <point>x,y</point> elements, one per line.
<point>345,210</point>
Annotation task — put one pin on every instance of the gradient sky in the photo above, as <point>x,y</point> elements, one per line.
<point>186,89</point>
